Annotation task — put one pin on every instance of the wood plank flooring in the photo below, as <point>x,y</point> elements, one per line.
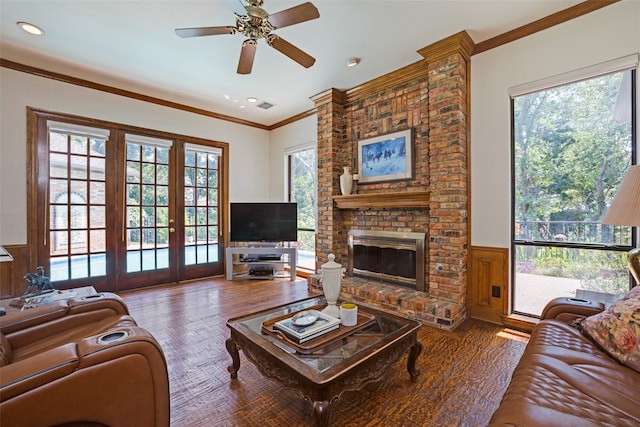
<point>463,373</point>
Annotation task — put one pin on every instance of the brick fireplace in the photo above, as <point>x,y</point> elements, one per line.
<point>430,97</point>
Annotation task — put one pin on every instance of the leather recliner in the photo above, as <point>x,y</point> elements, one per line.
<point>81,362</point>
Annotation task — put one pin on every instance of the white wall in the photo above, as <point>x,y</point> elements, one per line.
<point>301,132</point>
<point>248,147</point>
<point>606,34</point>
<point>609,33</point>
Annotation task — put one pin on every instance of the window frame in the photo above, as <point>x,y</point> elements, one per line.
<point>37,191</point>
<point>288,188</point>
<point>629,63</point>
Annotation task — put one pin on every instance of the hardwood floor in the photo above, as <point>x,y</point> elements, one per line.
<point>463,373</point>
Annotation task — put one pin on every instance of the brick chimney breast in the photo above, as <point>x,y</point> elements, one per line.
<point>430,97</point>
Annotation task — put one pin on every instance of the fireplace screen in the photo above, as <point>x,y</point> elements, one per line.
<point>393,257</point>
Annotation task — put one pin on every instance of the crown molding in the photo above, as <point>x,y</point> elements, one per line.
<point>331,95</point>
<point>457,43</point>
<point>388,81</point>
<point>121,92</point>
<point>549,21</point>
<point>293,119</point>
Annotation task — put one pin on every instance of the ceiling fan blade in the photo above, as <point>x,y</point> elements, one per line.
<point>291,51</point>
<point>301,13</point>
<point>204,31</point>
<point>247,55</point>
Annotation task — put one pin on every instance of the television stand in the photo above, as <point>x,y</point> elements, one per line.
<point>258,260</point>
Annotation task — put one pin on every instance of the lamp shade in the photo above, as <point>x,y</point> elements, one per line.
<point>625,207</point>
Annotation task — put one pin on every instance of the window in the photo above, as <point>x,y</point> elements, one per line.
<point>572,144</point>
<point>302,188</point>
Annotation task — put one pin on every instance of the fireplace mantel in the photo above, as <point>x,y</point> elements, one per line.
<point>404,199</point>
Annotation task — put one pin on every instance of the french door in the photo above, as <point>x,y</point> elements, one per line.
<point>120,208</point>
<point>147,253</point>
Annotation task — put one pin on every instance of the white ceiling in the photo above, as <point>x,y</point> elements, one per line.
<point>131,44</point>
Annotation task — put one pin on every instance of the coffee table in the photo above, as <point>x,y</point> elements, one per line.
<point>323,374</point>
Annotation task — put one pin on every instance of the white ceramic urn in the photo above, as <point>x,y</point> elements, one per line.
<point>346,181</point>
<point>331,275</point>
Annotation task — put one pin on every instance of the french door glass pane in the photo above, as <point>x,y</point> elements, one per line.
<point>77,210</point>
<point>572,147</point>
<point>201,198</point>
<point>147,206</point>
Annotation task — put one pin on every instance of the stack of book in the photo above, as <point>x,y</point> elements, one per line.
<point>323,324</point>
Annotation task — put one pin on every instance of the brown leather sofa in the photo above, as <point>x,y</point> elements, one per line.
<point>81,362</point>
<point>564,379</point>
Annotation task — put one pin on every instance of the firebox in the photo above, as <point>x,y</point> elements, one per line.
<point>388,256</point>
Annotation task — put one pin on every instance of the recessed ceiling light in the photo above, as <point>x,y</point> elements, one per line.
<point>227,97</point>
<point>30,28</point>
<point>242,106</point>
<point>252,100</point>
<point>352,62</point>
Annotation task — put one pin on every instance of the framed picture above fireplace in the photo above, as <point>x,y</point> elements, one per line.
<point>386,158</point>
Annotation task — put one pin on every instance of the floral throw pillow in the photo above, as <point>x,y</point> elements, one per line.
<point>617,329</point>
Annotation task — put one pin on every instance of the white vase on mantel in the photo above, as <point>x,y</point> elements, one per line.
<point>346,181</point>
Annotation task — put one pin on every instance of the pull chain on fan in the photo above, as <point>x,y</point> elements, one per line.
<point>258,24</point>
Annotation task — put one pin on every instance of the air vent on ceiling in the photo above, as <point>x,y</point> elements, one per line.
<point>265,105</point>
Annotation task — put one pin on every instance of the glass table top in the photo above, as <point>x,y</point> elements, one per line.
<point>385,328</point>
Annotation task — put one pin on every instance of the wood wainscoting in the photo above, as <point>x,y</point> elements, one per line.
<point>488,289</point>
<point>12,273</point>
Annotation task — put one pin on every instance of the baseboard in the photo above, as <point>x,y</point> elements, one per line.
<point>520,322</point>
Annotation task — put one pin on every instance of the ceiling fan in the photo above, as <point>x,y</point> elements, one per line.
<point>259,24</point>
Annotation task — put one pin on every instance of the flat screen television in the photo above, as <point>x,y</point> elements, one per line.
<point>264,222</point>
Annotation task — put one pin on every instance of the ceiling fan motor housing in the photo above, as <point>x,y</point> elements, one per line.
<point>253,27</point>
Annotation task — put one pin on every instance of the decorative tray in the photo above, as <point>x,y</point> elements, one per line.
<point>364,319</point>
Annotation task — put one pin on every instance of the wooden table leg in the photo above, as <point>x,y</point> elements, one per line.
<point>321,413</point>
<point>232,348</point>
<point>414,352</point>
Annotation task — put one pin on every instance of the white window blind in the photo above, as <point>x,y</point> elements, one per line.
<point>73,129</point>
<point>620,64</point>
<point>148,140</point>
<point>298,148</point>
<point>203,149</point>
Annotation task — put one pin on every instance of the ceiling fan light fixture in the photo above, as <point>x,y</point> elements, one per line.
<point>352,62</point>
<point>30,28</point>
